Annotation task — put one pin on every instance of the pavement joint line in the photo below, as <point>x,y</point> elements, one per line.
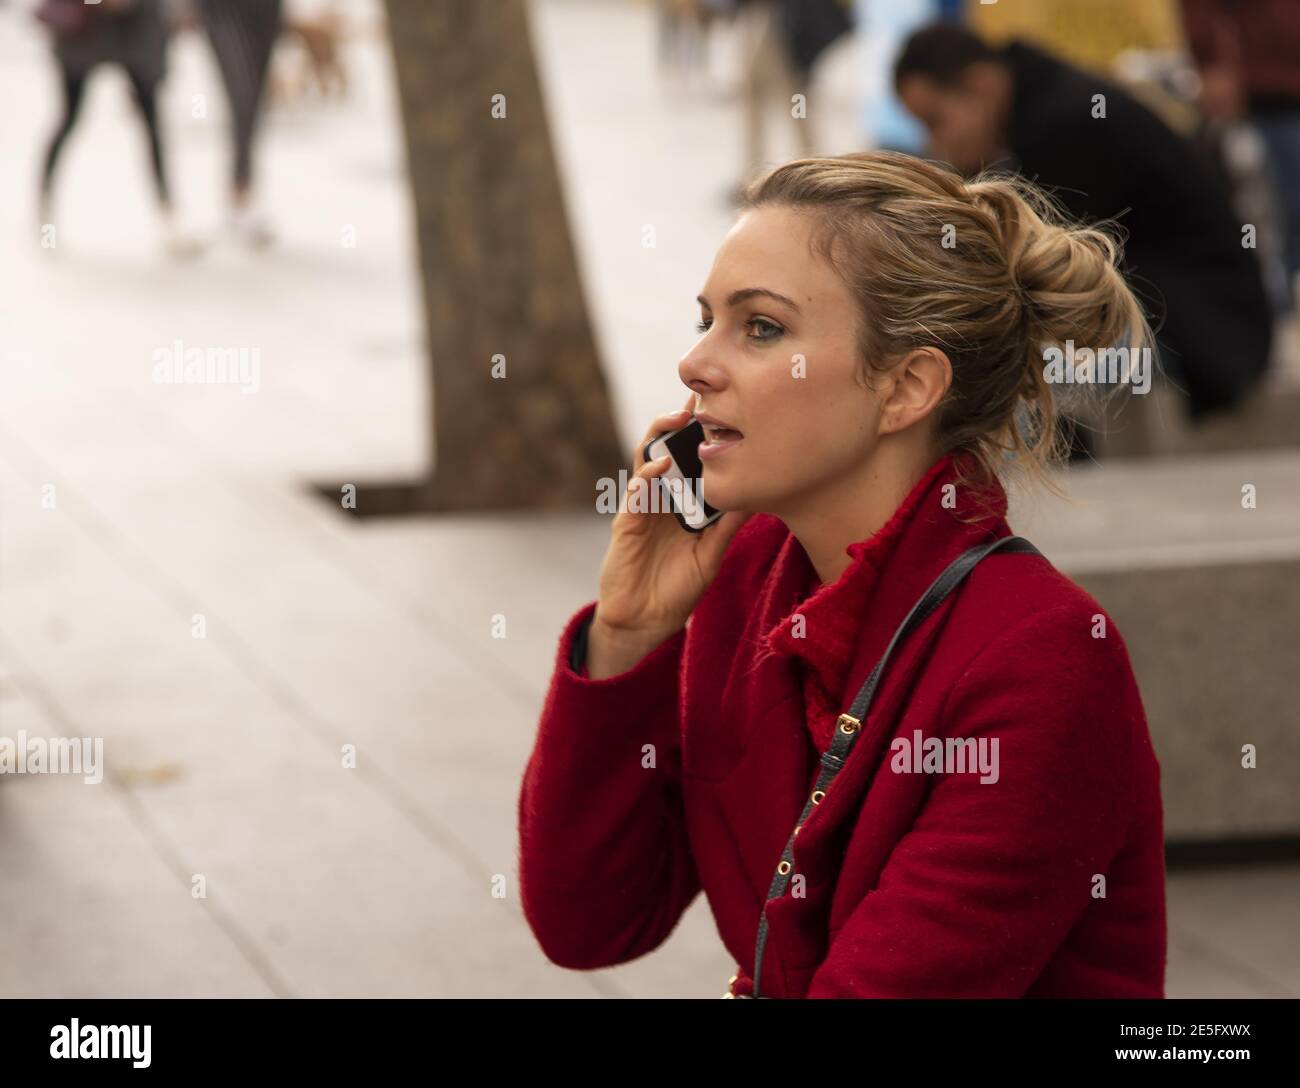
<point>318,726</point>
<point>397,797</point>
<point>28,682</point>
<point>516,685</point>
<point>1249,977</point>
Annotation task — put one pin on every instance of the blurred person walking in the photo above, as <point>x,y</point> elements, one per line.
<point>1106,157</point>
<point>242,34</point>
<point>130,33</point>
<point>1248,55</point>
<point>769,80</point>
<point>783,40</point>
<point>683,40</point>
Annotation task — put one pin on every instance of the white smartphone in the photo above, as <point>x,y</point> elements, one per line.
<point>681,484</point>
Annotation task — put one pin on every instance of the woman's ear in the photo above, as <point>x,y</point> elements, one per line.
<point>918,382</point>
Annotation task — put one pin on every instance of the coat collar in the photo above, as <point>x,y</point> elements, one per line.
<point>847,624</point>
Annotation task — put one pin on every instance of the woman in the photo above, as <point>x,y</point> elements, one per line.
<point>133,34</point>
<point>872,341</point>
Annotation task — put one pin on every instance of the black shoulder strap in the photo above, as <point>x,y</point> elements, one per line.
<point>848,726</point>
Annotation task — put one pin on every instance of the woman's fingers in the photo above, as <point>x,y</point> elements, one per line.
<point>669,421</point>
<point>637,498</point>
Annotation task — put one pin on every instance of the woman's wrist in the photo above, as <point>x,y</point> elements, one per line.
<point>615,650</point>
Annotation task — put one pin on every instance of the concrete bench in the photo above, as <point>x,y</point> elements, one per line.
<point>1207,597</point>
<point>1155,423</point>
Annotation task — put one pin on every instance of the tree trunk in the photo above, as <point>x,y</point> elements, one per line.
<point>502,290</point>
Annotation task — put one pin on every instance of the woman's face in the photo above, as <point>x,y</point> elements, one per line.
<point>778,361</point>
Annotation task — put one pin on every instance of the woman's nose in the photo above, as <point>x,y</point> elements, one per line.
<point>699,369</point>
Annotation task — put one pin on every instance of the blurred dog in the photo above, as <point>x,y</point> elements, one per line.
<point>312,64</point>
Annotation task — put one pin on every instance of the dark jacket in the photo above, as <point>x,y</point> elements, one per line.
<point>916,884</point>
<point>135,38</point>
<point>1184,252</point>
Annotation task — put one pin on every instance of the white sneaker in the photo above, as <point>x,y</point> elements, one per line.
<point>178,243</point>
<point>249,227</point>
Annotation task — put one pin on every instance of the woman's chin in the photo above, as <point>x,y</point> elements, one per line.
<point>719,495</point>
<point>726,487</point>
<point>719,499</point>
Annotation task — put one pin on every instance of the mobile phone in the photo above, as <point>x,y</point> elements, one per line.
<point>680,483</point>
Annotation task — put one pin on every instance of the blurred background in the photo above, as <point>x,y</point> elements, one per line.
<point>319,321</point>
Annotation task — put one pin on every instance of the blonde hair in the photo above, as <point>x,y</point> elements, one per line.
<point>987,270</point>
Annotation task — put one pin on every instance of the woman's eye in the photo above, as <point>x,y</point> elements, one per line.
<point>767,330</point>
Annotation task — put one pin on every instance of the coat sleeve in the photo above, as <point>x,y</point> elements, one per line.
<point>605,867</point>
<point>984,887</point>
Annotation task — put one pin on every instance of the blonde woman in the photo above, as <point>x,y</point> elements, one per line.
<point>970,808</point>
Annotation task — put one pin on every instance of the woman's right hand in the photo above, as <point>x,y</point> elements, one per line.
<point>654,571</point>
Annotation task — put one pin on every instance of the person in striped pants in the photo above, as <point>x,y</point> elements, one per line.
<point>243,33</point>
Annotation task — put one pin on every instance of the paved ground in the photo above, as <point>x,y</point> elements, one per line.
<point>133,515</point>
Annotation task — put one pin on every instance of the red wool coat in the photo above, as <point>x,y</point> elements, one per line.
<point>689,771</point>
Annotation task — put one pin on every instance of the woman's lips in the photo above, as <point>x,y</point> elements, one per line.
<point>718,443</point>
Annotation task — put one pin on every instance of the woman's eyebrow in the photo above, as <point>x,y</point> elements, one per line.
<point>737,297</point>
